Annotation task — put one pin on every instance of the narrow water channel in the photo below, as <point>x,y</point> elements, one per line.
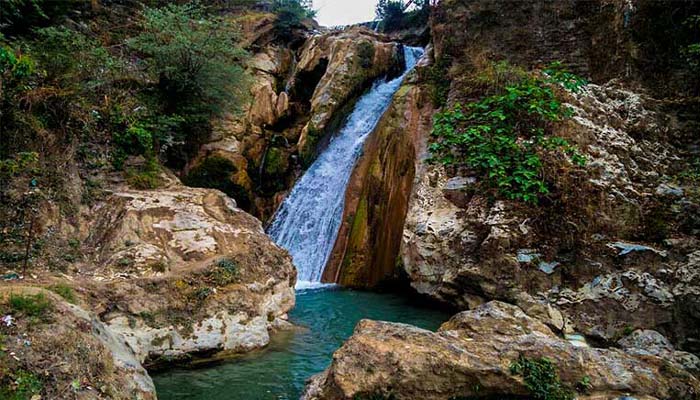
<point>327,318</point>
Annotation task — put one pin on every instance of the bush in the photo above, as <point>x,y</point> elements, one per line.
<point>30,305</point>
<point>395,15</point>
<point>197,61</point>
<point>291,14</point>
<point>196,58</point>
<point>391,13</point>
<point>64,291</point>
<point>17,73</point>
<point>541,379</point>
<point>502,137</point>
<point>19,385</point>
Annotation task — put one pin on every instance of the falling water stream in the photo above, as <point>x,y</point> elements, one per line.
<point>308,221</point>
<point>306,225</point>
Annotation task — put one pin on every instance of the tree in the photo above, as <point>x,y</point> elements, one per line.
<point>291,14</point>
<point>391,12</point>
<point>197,61</point>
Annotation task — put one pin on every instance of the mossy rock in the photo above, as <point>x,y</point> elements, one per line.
<point>217,173</point>
<point>276,162</point>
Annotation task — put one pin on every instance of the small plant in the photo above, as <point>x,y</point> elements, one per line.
<point>33,306</point>
<point>541,379</point>
<point>20,385</point>
<point>365,54</point>
<point>64,291</point>
<point>202,293</point>
<point>224,272</point>
<point>584,385</point>
<point>291,14</point>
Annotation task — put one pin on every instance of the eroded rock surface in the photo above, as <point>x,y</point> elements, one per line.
<point>183,271</point>
<point>471,354</point>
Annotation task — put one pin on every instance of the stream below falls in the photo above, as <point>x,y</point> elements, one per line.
<point>327,317</point>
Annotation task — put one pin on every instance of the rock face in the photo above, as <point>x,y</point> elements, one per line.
<point>298,97</point>
<point>471,355</point>
<point>58,348</point>
<point>183,271</point>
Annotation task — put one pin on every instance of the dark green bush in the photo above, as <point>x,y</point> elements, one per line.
<point>395,15</point>
<point>19,385</point>
<point>502,137</point>
<point>197,61</point>
<point>216,173</point>
<point>291,14</point>
<point>541,379</point>
<point>30,305</point>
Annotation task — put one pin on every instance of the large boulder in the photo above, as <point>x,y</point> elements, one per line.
<point>182,271</point>
<point>52,349</point>
<point>472,356</point>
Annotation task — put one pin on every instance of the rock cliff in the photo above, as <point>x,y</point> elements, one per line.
<point>298,98</point>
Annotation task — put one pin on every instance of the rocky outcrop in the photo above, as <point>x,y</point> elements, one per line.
<point>352,60</point>
<point>472,355</point>
<point>183,271</point>
<point>460,248</point>
<point>49,348</point>
<point>298,97</point>
<point>618,235</point>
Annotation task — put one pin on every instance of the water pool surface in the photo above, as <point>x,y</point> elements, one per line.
<point>281,370</point>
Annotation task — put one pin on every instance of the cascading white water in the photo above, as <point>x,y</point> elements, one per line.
<point>308,221</point>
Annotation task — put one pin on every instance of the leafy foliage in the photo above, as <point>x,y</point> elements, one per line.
<point>541,379</point>
<point>291,14</point>
<point>691,52</point>
<point>20,385</point>
<point>196,61</point>
<point>64,291</point>
<point>395,14</point>
<point>30,305</point>
<point>502,136</point>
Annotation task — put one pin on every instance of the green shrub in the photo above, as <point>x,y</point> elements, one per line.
<point>391,13</point>
<point>541,379</point>
<point>64,291</point>
<point>197,62</point>
<point>291,14</point>
<point>365,54</point>
<point>502,137</point>
<point>146,177</point>
<point>196,58</point>
<point>20,385</point>
<point>30,305</point>
<point>224,272</point>
<point>17,77</point>
<point>395,15</point>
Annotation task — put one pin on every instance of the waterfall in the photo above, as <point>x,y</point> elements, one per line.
<point>308,221</point>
